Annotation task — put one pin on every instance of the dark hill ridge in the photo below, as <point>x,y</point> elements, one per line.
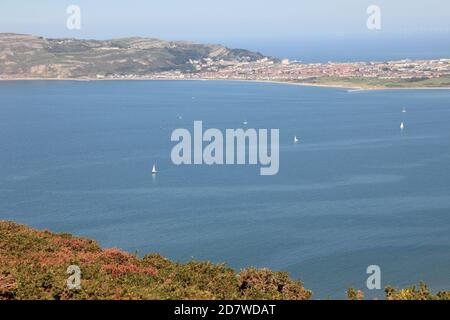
<point>27,56</point>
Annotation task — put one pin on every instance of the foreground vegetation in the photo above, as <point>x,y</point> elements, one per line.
<point>33,265</point>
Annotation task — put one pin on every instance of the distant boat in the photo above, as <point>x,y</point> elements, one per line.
<point>402,126</point>
<point>404,110</point>
<point>154,169</point>
<point>245,123</point>
<point>296,140</point>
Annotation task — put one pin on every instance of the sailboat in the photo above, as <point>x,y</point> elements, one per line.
<point>296,140</point>
<point>402,126</point>
<point>154,169</point>
<point>404,110</point>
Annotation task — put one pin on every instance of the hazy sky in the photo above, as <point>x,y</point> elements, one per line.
<point>292,28</point>
<point>209,20</point>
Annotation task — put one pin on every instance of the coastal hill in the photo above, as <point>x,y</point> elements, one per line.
<point>34,265</point>
<point>27,56</point>
<point>32,57</point>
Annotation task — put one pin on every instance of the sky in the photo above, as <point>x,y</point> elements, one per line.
<point>277,27</point>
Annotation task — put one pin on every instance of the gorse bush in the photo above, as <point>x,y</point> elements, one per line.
<point>353,294</point>
<point>266,284</point>
<point>415,293</point>
<point>33,265</point>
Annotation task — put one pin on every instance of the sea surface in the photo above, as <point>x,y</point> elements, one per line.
<point>370,46</point>
<point>356,191</point>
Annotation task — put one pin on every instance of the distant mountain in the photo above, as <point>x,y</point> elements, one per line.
<point>26,56</point>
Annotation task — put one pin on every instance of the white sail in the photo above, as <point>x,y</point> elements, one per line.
<point>154,169</point>
<point>402,126</point>
<point>296,139</point>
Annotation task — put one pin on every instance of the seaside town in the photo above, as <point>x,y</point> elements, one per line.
<point>285,70</point>
<point>266,69</point>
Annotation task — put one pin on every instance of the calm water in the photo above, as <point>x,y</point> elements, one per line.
<point>369,46</point>
<point>77,157</point>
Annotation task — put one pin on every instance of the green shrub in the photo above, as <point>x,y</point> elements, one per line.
<point>33,265</point>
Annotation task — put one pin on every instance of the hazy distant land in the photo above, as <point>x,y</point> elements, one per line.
<point>27,57</point>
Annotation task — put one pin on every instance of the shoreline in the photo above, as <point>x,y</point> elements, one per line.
<point>338,86</point>
<point>303,84</point>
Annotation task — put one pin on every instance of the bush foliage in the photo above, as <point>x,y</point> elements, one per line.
<point>33,265</point>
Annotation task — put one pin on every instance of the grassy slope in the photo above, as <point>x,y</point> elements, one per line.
<point>33,265</point>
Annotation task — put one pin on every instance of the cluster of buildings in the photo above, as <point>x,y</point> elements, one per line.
<point>270,70</point>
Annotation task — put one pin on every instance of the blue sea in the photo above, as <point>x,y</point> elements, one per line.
<point>356,191</point>
<point>370,46</point>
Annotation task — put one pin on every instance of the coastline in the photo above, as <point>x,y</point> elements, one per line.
<point>338,86</point>
<point>303,84</point>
